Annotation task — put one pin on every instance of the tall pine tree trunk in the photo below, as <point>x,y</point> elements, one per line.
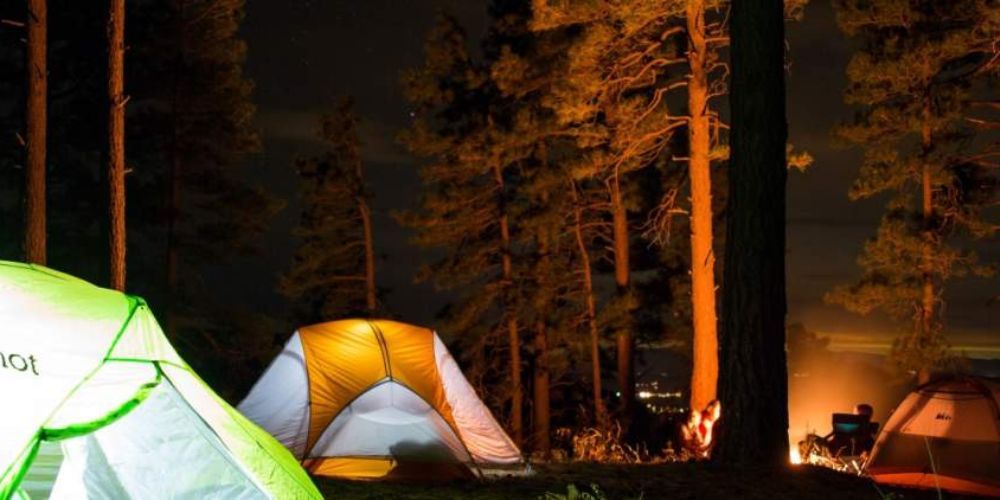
<point>116,137</point>
<point>705,362</point>
<point>753,381</point>
<point>371,299</point>
<point>623,336</point>
<point>600,413</point>
<point>513,331</point>
<point>927,306</point>
<point>37,118</point>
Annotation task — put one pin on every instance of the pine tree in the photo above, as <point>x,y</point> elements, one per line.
<point>704,83</point>
<point>190,107</point>
<point>333,274</point>
<point>526,67</point>
<point>611,98</point>
<point>918,77</point>
<point>76,136</point>
<point>465,208</point>
<point>191,205</point>
<point>192,129</point>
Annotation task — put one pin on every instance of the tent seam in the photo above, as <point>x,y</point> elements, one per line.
<point>383,346</point>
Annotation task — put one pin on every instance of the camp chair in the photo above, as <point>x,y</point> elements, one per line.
<point>842,449</point>
<point>852,435</point>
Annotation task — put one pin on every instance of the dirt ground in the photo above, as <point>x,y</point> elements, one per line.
<point>667,481</point>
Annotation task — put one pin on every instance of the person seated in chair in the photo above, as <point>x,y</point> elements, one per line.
<point>866,440</point>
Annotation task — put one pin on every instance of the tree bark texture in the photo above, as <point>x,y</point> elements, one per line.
<point>116,138</point>
<point>37,118</point>
<point>753,382</point>
<point>705,358</point>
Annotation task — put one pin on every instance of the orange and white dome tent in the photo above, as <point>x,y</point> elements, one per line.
<point>944,435</point>
<point>370,399</point>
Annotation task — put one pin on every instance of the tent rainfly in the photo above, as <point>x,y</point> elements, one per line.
<point>944,435</point>
<point>370,399</point>
<point>97,404</point>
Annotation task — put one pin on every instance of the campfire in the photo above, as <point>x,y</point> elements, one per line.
<point>794,456</point>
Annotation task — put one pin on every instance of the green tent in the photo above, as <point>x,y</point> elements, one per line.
<point>97,404</point>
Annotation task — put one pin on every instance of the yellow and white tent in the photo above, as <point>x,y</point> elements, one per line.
<point>367,399</point>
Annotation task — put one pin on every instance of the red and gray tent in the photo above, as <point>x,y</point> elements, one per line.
<point>945,436</point>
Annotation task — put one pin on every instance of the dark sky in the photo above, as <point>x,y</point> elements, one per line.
<point>302,53</point>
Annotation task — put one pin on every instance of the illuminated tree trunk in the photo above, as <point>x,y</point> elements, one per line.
<point>927,302</point>
<point>600,413</point>
<point>623,337</point>
<point>753,379</point>
<point>513,333</point>
<point>37,118</point>
<point>116,136</point>
<point>705,363</point>
<point>371,299</point>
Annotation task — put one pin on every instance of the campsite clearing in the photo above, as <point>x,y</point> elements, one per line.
<point>619,482</point>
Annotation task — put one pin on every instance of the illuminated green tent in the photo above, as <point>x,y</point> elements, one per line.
<point>97,404</point>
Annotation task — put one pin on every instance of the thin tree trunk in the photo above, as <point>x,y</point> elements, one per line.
<point>370,291</point>
<point>116,136</point>
<point>705,358</point>
<point>37,119</point>
<point>541,403</point>
<point>753,381</point>
<point>600,413</point>
<point>623,337</point>
<point>173,255</point>
<point>513,332</point>
<point>174,201</point>
<point>517,386</point>
<point>927,302</point>
<point>366,220</point>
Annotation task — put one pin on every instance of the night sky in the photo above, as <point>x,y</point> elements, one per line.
<point>304,53</point>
